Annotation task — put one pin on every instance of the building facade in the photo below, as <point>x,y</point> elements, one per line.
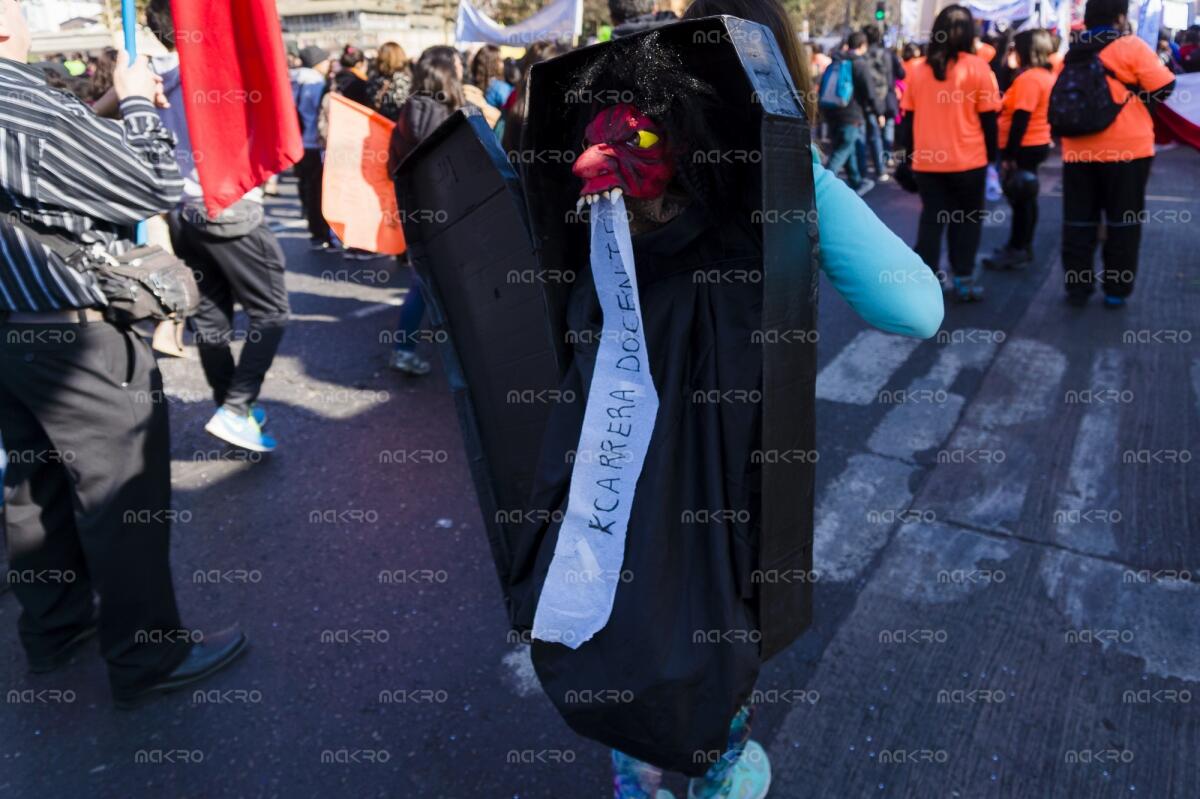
<point>368,23</point>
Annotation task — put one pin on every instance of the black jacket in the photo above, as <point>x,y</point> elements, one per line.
<point>352,87</point>
<point>863,101</point>
<point>885,70</point>
<point>419,116</point>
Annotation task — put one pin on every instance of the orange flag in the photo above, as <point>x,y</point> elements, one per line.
<point>359,200</point>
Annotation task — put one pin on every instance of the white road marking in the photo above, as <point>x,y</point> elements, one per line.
<point>934,563</point>
<point>863,367</point>
<point>277,225</point>
<point>1087,504</point>
<point>1030,372</point>
<point>518,672</point>
<point>856,513</point>
<point>993,444</point>
<point>1149,619</point>
<point>926,412</point>
<point>371,310</point>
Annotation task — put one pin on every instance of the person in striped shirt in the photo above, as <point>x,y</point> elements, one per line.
<point>87,491</point>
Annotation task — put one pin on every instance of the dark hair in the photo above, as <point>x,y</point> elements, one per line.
<point>873,34</point>
<point>351,57</point>
<point>953,33</point>
<point>161,22</point>
<point>436,75</point>
<point>772,14</point>
<point>512,72</point>
<point>536,53</point>
<point>102,79</point>
<point>856,40</point>
<point>486,64</point>
<point>622,10</point>
<point>910,52</point>
<point>1034,48</point>
<point>1103,12</point>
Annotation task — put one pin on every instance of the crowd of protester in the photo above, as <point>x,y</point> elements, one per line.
<point>418,96</point>
<point>935,118</point>
<point>971,111</point>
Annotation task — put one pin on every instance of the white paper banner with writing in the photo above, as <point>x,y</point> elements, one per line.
<point>622,404</point>
<point>558,20</point>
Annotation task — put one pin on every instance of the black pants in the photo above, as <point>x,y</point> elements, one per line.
<point>310,173</point>
<point>1118,190</point>
<point>953,202</point>
<point>249,270</point>
<point>88,495</point>
<point>1025,209</point>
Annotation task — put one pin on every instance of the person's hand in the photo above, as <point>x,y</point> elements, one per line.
<point>160,96</point>
<point>136,79</point>
<point>882,120</point>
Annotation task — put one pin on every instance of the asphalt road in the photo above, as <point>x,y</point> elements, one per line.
<point>355,559</point>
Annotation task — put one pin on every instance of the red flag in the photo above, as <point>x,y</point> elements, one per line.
<point>237,95</point>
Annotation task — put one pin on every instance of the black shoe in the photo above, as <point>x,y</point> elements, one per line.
<point>1005,258</point>
<point>207,657</point>
<point>65,652</point>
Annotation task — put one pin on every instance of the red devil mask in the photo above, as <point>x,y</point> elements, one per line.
<point>625,149</point>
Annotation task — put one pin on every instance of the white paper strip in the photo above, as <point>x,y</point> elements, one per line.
<point>622,405</point>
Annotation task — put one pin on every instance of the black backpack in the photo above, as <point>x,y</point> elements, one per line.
<point>1080,102</point>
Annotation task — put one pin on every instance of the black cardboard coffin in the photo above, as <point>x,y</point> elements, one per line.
<point>464,221</point>
<point>765,145</point>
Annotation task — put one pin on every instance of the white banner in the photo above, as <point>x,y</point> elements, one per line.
<point>558,20</point>
<point>910,20</point>
<point>1149,22</point>
<point>996,10</point>
<point>1185,100</point>
<point>622,404</point>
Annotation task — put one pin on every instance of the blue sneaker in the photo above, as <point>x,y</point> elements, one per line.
<point>240,431</point>
<point>750,778</point>
<point>1113,302</point>
<point>259,414</point>
<point>966,290</point>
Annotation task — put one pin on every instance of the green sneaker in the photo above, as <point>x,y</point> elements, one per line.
<point>663,793</point>
<point>750,777</point>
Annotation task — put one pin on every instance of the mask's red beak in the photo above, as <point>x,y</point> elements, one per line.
<point>597,168</point>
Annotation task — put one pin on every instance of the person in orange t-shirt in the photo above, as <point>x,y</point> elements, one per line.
<point>1024,143</point>
<point>949,136</point>
<point>1106,172</point>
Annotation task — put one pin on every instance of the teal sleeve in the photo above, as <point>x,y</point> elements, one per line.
<point>880,276</point>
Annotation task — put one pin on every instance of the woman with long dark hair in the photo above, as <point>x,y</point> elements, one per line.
<point>437,92</point>
<point>949,136</point>
<point>487,72</point>
<point>1025,138</point>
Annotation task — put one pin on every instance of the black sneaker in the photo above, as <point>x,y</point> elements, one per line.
<point>1005,258</point>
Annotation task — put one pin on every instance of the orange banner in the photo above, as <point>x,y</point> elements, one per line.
<point>359,200</point>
